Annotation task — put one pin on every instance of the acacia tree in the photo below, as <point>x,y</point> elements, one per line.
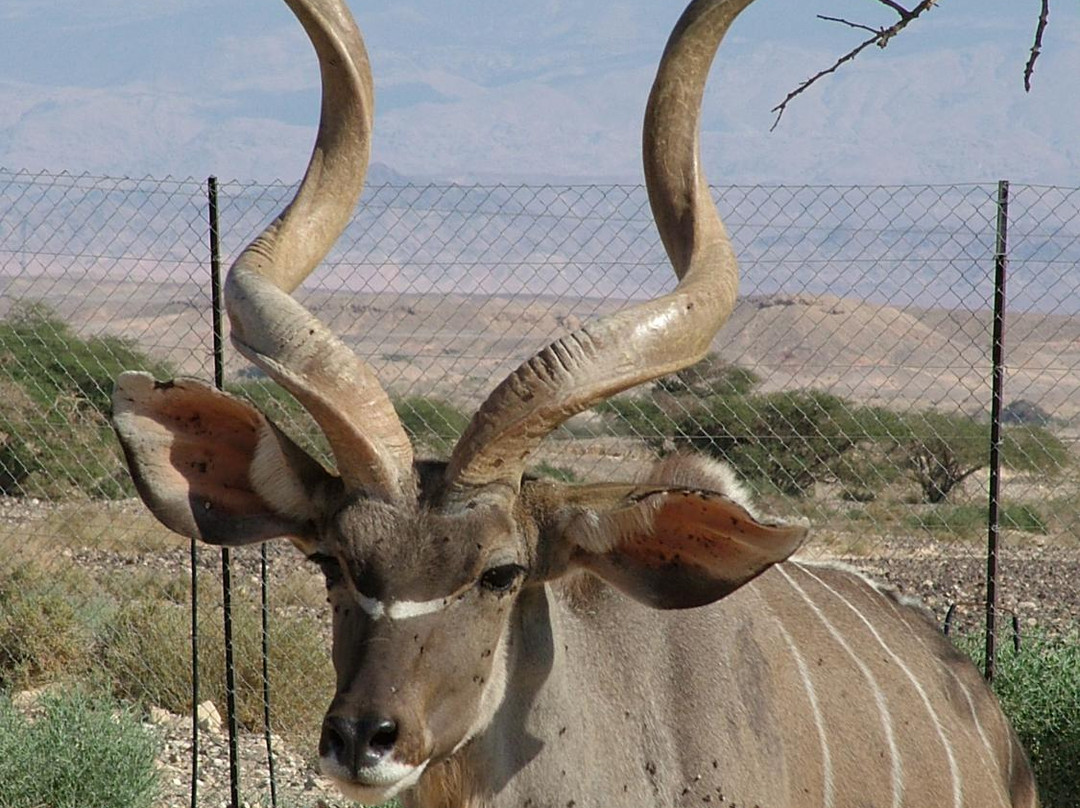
<point>790,438</point>
<point>941,450</point>
<point>712,376</point>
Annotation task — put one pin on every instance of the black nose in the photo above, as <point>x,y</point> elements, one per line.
<point>357,743</point>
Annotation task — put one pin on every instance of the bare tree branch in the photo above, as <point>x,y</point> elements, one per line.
<point>899,9</point>
<point>880,37</point>
<point>849,23</point>
<point>847,57</point>
<point>1036,48</point>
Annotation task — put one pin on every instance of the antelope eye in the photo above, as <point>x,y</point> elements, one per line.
<point>501,578</point>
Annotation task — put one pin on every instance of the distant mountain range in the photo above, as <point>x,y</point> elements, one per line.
<point>924,246</point>
<point>482,91</point>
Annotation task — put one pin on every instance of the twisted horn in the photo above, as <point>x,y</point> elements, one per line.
<point>648,340</point>
<point>278,334</point>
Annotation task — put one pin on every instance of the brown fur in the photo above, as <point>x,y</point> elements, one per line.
<point>449,784</point>
<point>581,591</point>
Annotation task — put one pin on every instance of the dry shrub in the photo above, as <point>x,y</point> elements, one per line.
<point>147,654</point>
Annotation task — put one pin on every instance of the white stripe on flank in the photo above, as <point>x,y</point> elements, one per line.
<point>400,609</point>
<point>954,770</point>
<point>896,768</point>
<point>987,755</point>
<point>819,721</point>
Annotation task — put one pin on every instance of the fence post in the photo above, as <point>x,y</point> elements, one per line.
<point>194,556</point>
<point>998,379</point>
<point>267,734</point>
<point>194,553</point>
<point>226,561</point>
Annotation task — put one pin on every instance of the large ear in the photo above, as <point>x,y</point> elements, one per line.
<point>212,467</point>
<point>670,548</point>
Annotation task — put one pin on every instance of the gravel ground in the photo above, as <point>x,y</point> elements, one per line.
<point>296,782</point>
<point>1037,585</point>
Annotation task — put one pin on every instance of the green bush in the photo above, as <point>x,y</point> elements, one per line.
<point>1023,517</point>
<point>42,354</point>
<point>431,423</point>
<point>712,376</point>
<point>955,520</point>
<point>82,752</point>
<point>639,417</point>
<point>790,439</point>
<point>972,520</point>
<point>47,625</point>
<point>1033,449</point>
<point>55,457</point>
<point>145,654</point>
<point>786,441</point>
<point>55,439</point>
<point>1039,690</point>
<point>560,474</point>
<point>132,632</point>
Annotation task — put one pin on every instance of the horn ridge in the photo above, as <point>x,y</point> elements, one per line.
<point>277,333</point>
<point>647,340</point>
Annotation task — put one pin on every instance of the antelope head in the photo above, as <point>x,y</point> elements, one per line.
<point>427,563</point>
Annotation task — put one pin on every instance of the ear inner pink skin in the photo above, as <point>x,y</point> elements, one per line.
<point>675,548</point>
<point>190,449</point>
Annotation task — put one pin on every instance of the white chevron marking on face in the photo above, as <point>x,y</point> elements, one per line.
<point>401,609</point>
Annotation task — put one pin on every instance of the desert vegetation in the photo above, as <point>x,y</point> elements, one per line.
<point>55,439</point>
<point>792,440</point>
<point>108,636</point>
<point>1039,688</point>
<point>78,751</point>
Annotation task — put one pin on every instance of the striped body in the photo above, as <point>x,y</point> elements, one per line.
<point>810,686</point>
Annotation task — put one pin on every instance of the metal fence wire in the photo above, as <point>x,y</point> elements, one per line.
<point>853,385</point>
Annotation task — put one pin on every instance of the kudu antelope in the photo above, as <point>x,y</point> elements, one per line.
<point>506,641</point>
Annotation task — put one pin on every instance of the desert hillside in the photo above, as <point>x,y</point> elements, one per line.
<point>458,346</point>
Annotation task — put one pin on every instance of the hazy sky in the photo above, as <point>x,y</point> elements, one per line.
<point>486,90</point>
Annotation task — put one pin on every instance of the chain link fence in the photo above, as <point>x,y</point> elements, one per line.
<point>852,385</point>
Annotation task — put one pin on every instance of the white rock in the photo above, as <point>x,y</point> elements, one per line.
<point>159,716</point>
<point>209,717</point>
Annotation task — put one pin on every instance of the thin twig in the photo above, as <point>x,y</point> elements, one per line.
<point>899,9</point>
<point>1036,47</point>
<point>847,57</point>
<point>880,37</point>
<point>849,23</point>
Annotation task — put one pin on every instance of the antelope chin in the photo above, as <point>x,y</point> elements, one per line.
<point>373,785</point>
